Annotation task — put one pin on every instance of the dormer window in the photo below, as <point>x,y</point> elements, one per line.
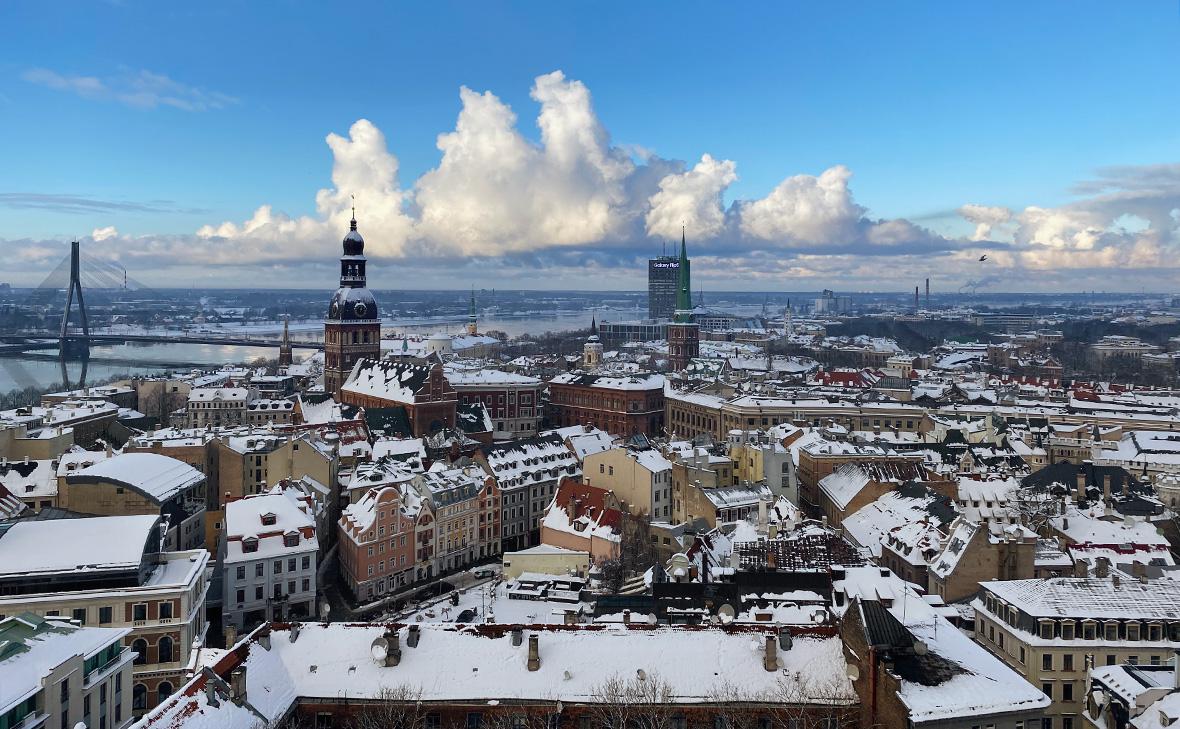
<point>250,544</point>
<point>268,519</point>
<point>291,540</point>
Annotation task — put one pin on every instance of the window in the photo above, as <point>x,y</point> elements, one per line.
<point>1110,659</point>
<point>139,611</point>
<point>258,592</point>
<point>1067,631</point>
<point>291,540</point>
<point>140,649</point>
<point>1067,722</point>
<point>250,544</point>
<point>1067,662</point>
<point>240,572</point>
<point>241,595</point>
<point>1047,689</point>
<point>1067,691</point>
<point>306,585</point>
<point>323,720</point>
<point>139,697</point>
<point>277,567</point>
<point>259,569</point>
<point>79,614</point>
<point>1047,662</point>
<point>306,563</point>
<point>165,651</point>
<point>164,691</point>
<point>105,615</point>
<point>291,565</point>
<point>1132,631</point>
<point>474,720</point>
<point>1111,631</point>
<point>1022,654</point>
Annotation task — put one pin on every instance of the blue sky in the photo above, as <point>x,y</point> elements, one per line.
<point>165,118</point>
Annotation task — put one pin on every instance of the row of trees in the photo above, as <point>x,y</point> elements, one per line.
<point>643,701</point>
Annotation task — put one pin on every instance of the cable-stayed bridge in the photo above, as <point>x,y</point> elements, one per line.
<point>78,273</point>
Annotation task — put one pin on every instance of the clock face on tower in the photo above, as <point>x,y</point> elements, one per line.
<point>334,310</point>
<point>360,309</point>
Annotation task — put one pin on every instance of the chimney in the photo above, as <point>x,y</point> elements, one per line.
<point>1106,488</point>
<point>571,618</point>
<point>294,636</point>
<point>1102,567</point>
<point>761,512</point>
<point>393,650</point>
<point>412,636</point>
<point>770,658</point>
<point>626,617</point>
<point>1082,484</point>
<point>1138,569</point>
<point>1176,672</point>
<point>517,636</point>
<point>231,636</point>
<point>237,685</point>
<point>534,663</point>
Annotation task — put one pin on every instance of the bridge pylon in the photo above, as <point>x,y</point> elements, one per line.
<point>75,345</point>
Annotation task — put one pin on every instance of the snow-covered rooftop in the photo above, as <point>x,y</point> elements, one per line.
<point>156,476</point>
<point>333,660</point>
<point>75,545</point>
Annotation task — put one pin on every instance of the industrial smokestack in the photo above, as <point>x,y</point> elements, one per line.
<point>927,293</point>
<point>916,299</point>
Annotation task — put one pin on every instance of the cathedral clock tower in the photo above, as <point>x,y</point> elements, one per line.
<point>352,330</point>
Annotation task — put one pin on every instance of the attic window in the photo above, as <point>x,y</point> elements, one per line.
<point>291,540</point>
<point>250,545</point>
<point>268,519</point>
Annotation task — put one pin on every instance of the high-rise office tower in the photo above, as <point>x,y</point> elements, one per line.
<point>663,274</point>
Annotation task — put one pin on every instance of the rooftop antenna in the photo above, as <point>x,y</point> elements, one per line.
<point>353,197</point>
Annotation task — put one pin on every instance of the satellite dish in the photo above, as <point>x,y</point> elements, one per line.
<point>379,649</point>
<point>726,613</point>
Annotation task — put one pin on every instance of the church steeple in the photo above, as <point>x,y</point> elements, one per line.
<point>684,285</point>
<point>683,337</point>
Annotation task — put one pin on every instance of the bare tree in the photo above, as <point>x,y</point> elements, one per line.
<point>642,702</point>
<point>396,707</point>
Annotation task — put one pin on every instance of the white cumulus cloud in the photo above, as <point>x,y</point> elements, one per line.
<point>100,234</point>
<point>692,199</point>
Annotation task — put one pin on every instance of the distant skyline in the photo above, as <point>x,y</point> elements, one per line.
<point>854,146</point>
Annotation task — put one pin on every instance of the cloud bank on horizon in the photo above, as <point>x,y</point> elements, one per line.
<point>574,207</point>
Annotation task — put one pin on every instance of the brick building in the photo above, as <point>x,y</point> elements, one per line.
<point>619,404</point>
<point>420,388</point>
<point>513,401</point>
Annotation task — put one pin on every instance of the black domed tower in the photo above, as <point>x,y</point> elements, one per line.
<point>352,330</point>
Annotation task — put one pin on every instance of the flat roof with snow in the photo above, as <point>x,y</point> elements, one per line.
<point>58,546</point>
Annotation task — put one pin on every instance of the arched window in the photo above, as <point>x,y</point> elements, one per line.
<point>163,691</point>
<point>140,648</point>
<point>139,697</point>
<point>165,650</point>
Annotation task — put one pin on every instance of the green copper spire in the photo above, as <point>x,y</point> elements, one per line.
<point>471,306</point>
<point>683,286</point>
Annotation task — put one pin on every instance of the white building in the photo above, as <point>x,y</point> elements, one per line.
<point>55,674</point>
<point>217,406</point>
<point>109,572</point>
<point>269,558</point>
